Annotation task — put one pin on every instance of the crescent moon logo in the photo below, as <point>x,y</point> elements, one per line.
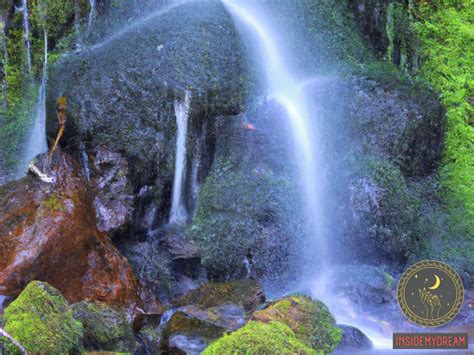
<point>437,283</point>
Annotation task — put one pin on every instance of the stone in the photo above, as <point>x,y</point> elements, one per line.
<point>353,339</point>
<point>48,233</point>
<point>310,320</point>
<point>246,293</point>
<point>113,199</point>
<point>42,321</point>
<point>105,328</point>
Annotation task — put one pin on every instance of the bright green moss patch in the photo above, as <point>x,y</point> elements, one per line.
<point>309,319</point>
<point>41,320</point>
<point>260,338</point>
<point>446,33</point>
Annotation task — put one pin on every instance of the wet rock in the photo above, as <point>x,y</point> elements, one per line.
<point>42,321</point>
<point>184,254</point>
<point>113,200</point>
<point>353,339</point>
<point>228,316</point>
<point>309,319</point>
<point>124,87</point>
<point>189,335</point>
<point>105,328</point>
<point>48,232</point>
<point>365,286</point>
<point>246,293</point>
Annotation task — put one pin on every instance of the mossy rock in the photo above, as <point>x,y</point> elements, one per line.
<point>260,338</point>
<point>105,328</point>
<point>310,320</point>
<point>42,321</point>
<point>246,293</point>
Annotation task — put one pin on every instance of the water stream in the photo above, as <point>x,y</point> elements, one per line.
<point>181,108</point>
<point>92,15</point>
<point>36,143</point>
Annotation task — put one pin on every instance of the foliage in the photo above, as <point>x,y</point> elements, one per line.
<point>260,338</point>
<point>42,321</point>
<point>446,37</point>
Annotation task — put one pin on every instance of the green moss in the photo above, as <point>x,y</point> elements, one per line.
<point>447,50</point>
<point>42,321</point>
<point>260,338</point>
<point>309,319</point>
<point>53,203</point>
<point>388,280</point>
<point>105,328</point>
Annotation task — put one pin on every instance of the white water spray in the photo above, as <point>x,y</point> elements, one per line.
<point>36,143</point>
<point>26,29</point>
<point>181,108</point>
<point>285,89</point>
<point>138,24</point>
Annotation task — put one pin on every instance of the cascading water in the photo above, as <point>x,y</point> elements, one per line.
<point>289,92</point>
<point>92,15</point>
<point>284,88</point>
<point>26,29</point>
<point>181,108</point>
<point>36,143</point>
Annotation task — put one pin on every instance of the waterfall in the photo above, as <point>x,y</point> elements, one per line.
<point>286,90</point>
<point>36,143</point>
<point>181,108</point>
<point>289,92</point>
<point>26,28</point>
<point>77,27</point>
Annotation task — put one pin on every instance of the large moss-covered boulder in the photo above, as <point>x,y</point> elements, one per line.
<point>260,338</point>
<point>245,293</point>
<point>122,89</point>
<point>105,328</point>
<point>42,321</point>
<point>310,320</point>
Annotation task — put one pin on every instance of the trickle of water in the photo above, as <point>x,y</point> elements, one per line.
<point>181,108</point>
<point>92,15</point>
<point>36,143</point>
<point>26,28</point>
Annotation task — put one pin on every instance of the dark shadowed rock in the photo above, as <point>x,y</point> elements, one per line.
<point>353,339</point>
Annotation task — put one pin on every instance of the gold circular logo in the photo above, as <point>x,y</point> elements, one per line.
<point>430,293</point>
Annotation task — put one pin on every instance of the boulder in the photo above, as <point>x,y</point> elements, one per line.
<point>353,339</point>
<point>310,321</point>
<point>113,199</point>
<point>48,232</point>
<point>260,338</point>
<point>184,254</point>
<point>364,285</point>
<point>42,321</point>
<point>245,293</point>
<point>105,328</point>
<point>122,89</point>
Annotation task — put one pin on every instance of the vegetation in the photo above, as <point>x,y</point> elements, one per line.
<point>260,338</point>
<point>42,321</point>
<point>445,31</point>
<point>309,319</point>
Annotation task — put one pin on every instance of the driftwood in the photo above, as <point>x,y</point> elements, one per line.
<point>61,112</point>
<point>3,333</point>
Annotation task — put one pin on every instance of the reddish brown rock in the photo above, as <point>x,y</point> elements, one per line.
<point>48,232</point>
